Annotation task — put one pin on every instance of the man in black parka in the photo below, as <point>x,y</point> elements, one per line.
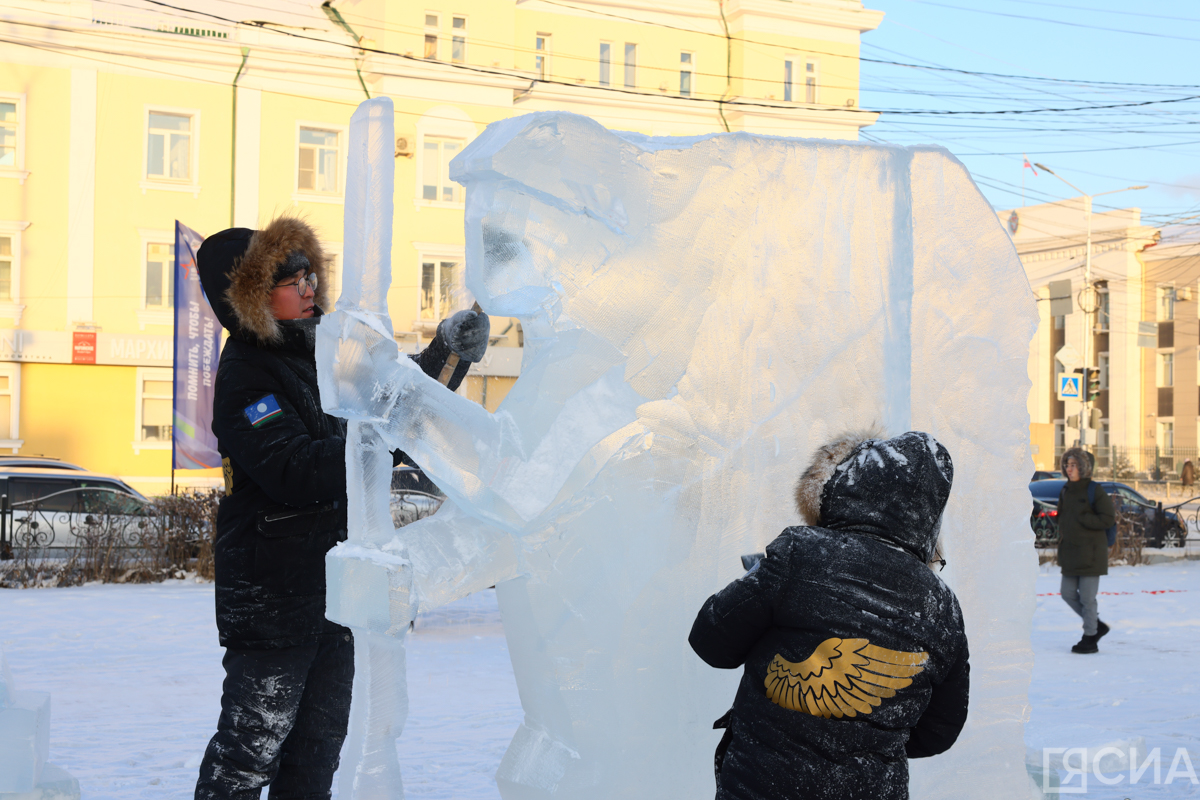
<point>286,698</point>
<point>854,651</point>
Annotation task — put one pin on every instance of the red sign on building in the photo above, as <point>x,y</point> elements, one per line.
<point>83,347</point>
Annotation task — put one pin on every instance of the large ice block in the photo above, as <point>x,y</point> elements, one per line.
<point>24,740</point>
<point>699,314</point>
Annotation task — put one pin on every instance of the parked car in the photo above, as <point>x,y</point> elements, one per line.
<point>1044,519</point>
<point>49,462</point>
<point>50,507</point>
<point>1047,475</point>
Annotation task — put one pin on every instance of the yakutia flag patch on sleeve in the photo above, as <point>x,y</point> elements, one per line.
<point>260,411</point>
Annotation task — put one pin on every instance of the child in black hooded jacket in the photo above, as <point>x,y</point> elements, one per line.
<point>853,649</point>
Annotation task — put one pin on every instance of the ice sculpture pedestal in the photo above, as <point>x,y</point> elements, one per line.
<point>25,774</point>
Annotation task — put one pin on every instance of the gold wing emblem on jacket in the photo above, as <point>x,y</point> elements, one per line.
<point>843,677</point>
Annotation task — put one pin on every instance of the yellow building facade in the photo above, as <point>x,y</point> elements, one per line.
<point>117,120</point>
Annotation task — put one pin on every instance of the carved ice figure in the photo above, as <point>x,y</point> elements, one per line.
<point>698,314</point>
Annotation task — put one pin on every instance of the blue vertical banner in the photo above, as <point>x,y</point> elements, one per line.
<point>197,351</point>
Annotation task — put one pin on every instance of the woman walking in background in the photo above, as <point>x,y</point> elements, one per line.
<point>1085,512</point>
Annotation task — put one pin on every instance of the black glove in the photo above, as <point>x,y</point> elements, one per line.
<point>467,334</point>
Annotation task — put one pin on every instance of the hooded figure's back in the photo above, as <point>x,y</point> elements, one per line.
<point>854,652</point>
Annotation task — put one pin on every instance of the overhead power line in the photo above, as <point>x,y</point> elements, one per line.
<point>1056,21</point>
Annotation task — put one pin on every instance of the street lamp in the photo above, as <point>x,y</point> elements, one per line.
<point>1087,282</point>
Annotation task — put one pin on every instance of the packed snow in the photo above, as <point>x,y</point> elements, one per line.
<point>135,674</point>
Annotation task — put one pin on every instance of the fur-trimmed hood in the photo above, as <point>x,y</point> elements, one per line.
<point>894,490</point>
<point>1082,458</point>
<point>237,269</point>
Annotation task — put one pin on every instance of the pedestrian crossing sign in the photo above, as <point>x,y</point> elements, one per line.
<point>1069,386</point>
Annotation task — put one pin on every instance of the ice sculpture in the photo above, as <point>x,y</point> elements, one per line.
<point>25,743</point>
<point>699,313</point>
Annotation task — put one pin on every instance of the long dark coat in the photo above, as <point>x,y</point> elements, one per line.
<point>854,653</point>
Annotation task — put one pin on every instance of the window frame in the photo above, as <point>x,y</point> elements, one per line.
<point>435,31</point>
<point>542,54</point>
<point>443,173</point>
<point>13,308</point>
<point>458,38</point>
<point>150,315</point>
<point>629,68</point>
<point>18,170</point>
<point>311,195</point>
<point>1161,430</point>
<point>440,122</point>
<point>815,72</point>
<point>12,370</point>
<point>1164,357</point>
<point>143,374</point>
<point>148,181</point>
<point>334,252</point>
<point>789,78</point>
<point>1103,309</point>
<point>1162,292</point>
<point>435,252</point>
<point>604,65</point>
<point>690,71</point>
<point>1103,362</point>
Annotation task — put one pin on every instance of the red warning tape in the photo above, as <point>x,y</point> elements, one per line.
<point>1144,591</point>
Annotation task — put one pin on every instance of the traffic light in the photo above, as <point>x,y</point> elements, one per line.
<point>1091,379</point>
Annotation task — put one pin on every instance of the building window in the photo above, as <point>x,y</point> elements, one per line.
<point>605,63</point>
<point>1166,435</point>
<point>1166,303</point>
<point>7,268</point>
<point>1102,310</point>
<point>1102,435</point>
<point>685,74</point>
<point>789,81</point>
<point>160,276</point>
<point>431,36</point>
<point>154,394</point>
<point>317,161</point>
<point>541,56</point>
<point>1166,369</point>
<point>10,401</point>
<point>442,288</point>
<point>436,185</point>
<point>169,146</point>
<point>630,66</point>
<point>458,40</point>
<point>9,133</point>
<point>1060,322</point>
<point>810,81</point>
<point>1103,366</point>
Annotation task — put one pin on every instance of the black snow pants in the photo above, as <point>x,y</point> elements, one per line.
<point>284,714</point>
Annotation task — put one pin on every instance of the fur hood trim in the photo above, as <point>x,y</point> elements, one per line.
<point>253,275</point>
<point>824,462</point>
<point>1083,459</point>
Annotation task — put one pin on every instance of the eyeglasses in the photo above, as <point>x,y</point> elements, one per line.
<point>302,284</point>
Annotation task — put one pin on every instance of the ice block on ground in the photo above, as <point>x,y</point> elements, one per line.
<point>24,740</point>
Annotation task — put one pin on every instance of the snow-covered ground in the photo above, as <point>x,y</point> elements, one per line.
<point>135,677</point>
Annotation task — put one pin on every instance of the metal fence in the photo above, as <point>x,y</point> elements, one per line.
<point>1139,463</point>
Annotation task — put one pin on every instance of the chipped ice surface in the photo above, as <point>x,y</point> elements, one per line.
<point>699,315</point>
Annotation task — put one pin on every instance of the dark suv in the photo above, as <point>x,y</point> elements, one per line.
<point>1044,519</point>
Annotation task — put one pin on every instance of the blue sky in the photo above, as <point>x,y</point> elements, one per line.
<point>1150,43</point>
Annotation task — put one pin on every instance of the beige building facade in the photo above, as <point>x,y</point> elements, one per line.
<point>1137,321</point>
<point>119,119</point>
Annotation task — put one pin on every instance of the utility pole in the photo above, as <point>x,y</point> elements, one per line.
<point>1087,286</point>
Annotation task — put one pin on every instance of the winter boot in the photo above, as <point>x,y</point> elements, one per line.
<point>1101,629</point>
<point>1087,644</point>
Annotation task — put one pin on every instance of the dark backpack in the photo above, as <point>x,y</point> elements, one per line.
<point>1111,533</point>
